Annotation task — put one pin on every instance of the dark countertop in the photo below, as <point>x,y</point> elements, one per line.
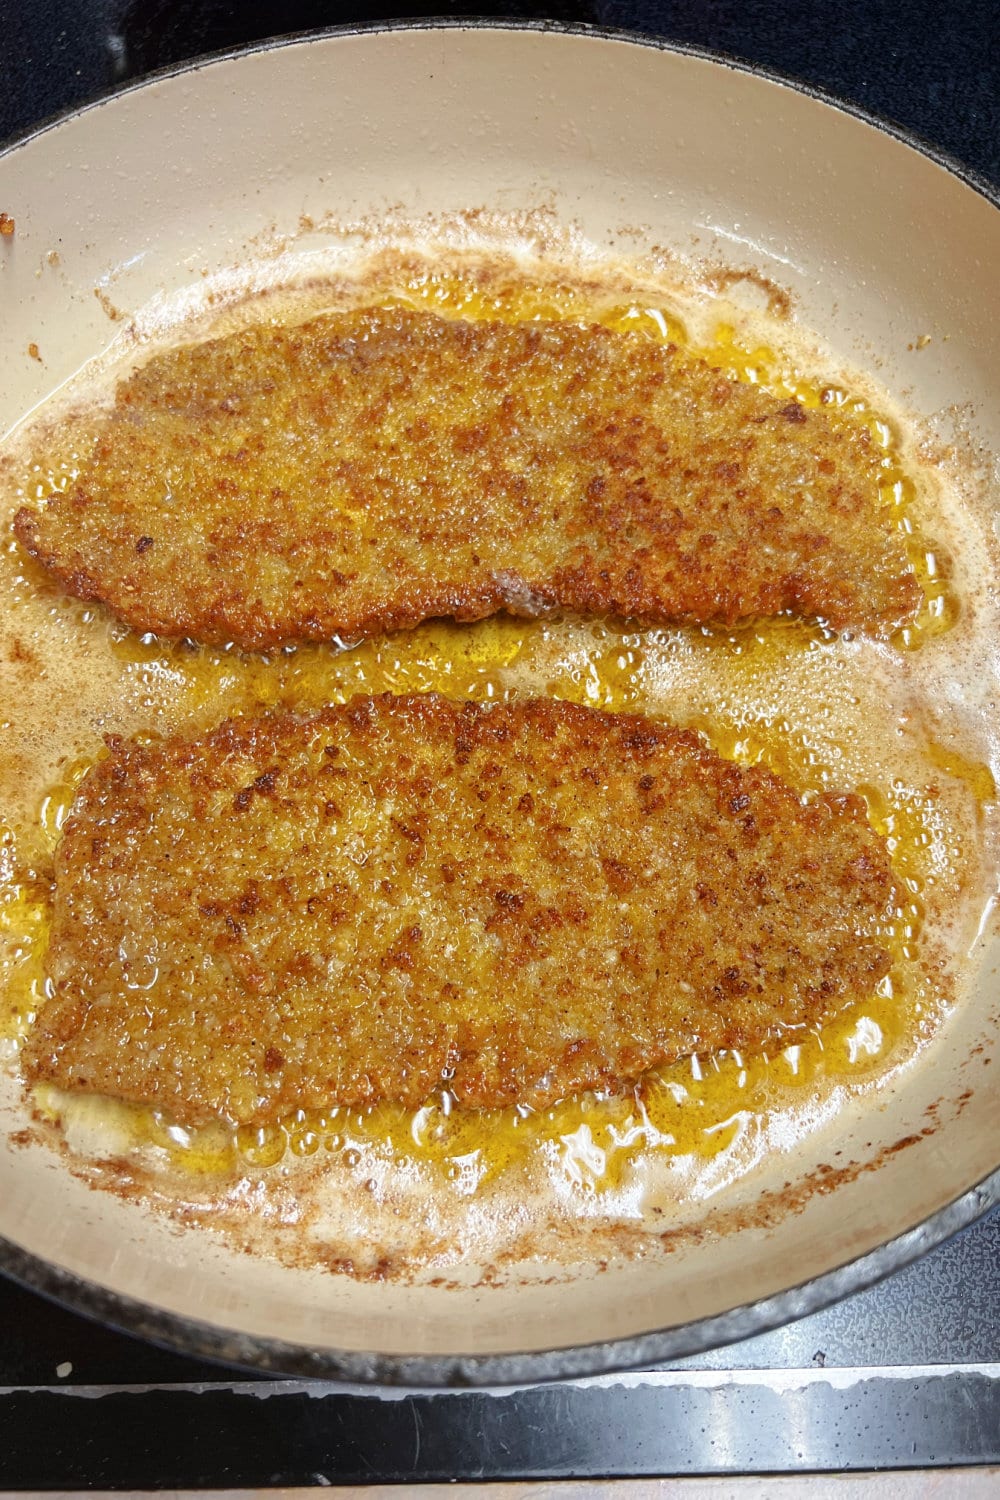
<point>906,1373</point>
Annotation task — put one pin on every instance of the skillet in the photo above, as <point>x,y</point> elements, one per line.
<point>427,120</point>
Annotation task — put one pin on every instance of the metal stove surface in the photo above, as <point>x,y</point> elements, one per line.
<point>903,1375</point>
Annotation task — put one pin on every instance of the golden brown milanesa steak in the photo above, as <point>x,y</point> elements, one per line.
<point>512,901</point>
<point>368,470</point>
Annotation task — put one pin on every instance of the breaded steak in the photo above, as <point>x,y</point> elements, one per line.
<point>368,470</point>
<point>406,894</point>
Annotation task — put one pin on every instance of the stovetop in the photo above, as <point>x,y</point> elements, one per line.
<point>902,1375</point>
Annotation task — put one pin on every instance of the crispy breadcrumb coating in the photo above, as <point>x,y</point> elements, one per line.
<point>368,470</point>
<point>404,894</point>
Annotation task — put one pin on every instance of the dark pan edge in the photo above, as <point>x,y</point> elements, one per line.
<point>259,1354</point>
<point>203,1340</point>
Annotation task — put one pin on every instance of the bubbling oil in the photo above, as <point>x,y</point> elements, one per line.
<point>785,693</point>
<point>692,1108</point>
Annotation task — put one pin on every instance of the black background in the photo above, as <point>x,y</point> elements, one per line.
<point>935,70</point>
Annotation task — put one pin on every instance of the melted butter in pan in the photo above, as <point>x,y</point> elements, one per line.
<point>700,1107</point>
<point>824,712</point>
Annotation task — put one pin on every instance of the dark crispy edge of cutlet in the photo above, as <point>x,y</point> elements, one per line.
<point>75,579</point>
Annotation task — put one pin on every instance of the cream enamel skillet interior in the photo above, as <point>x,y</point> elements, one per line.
<point>478,169</point>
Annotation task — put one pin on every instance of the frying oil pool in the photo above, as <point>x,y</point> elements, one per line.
<point>825,712</point>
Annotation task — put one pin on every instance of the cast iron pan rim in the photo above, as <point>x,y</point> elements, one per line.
<point>203,1340</point>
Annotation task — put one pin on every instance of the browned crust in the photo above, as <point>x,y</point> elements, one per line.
<point>366,471</point>
<point>513,901</point>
